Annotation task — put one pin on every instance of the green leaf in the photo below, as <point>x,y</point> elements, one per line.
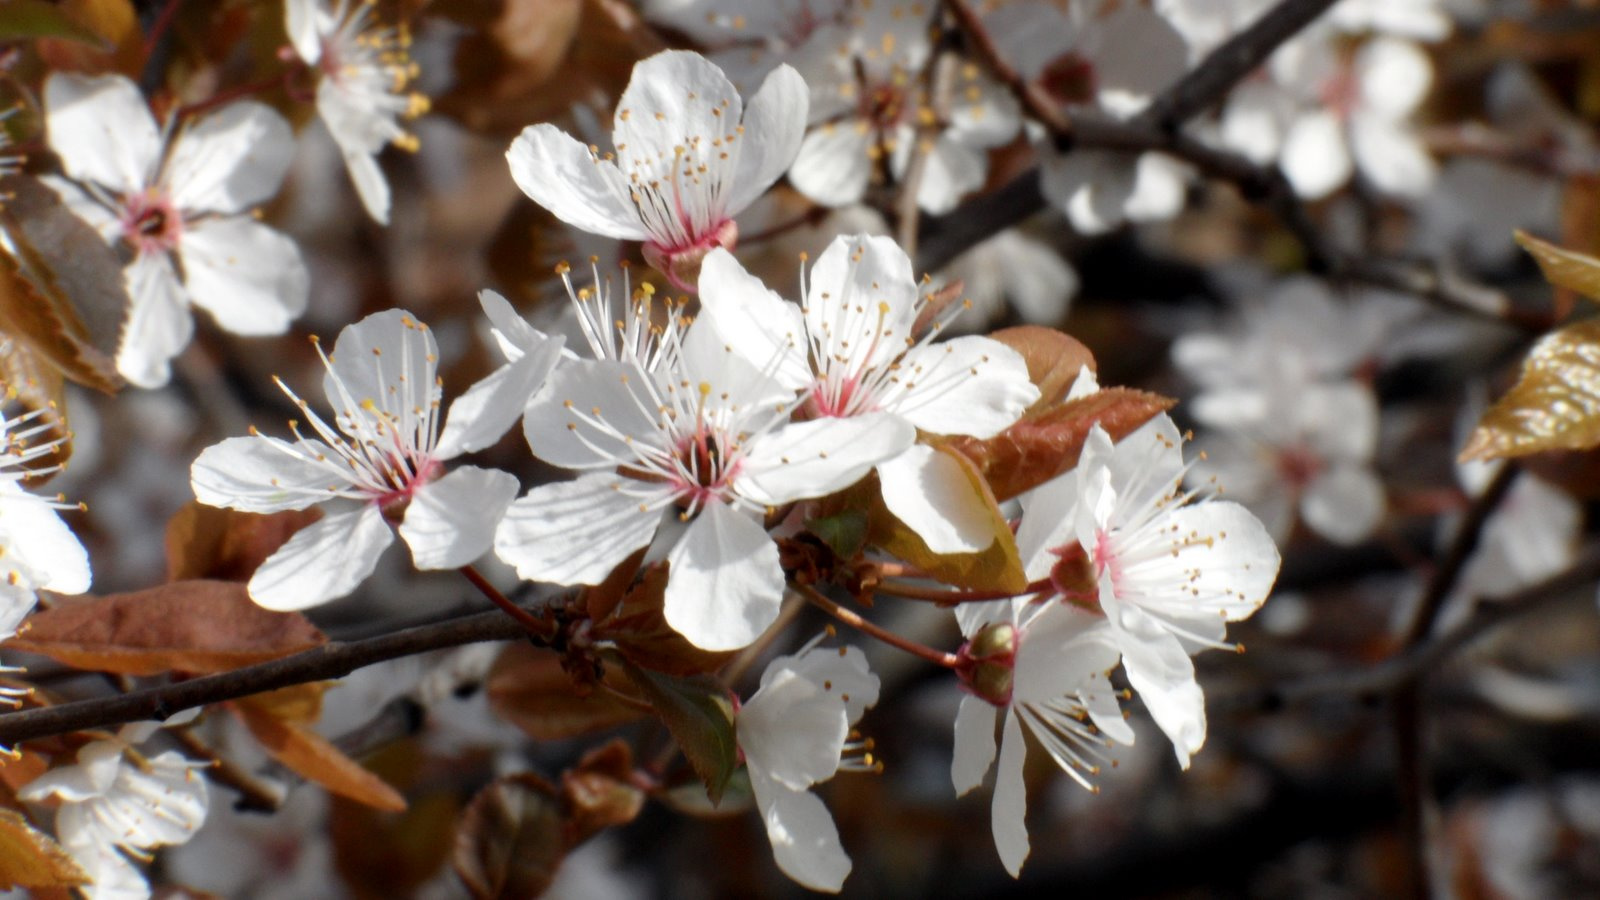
<point>845,533</point>
<point>26,19</point>
<point>1555,405</point>
<point>700,716</point>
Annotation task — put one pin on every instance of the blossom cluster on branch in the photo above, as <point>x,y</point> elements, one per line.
<point>745,416</point>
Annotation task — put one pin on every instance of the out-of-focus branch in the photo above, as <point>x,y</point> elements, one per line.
<point>1158,128</point>
<point>333,660</point>
<point>1409,665</point>
<point>1033,98</point>
<point>1208,82</point>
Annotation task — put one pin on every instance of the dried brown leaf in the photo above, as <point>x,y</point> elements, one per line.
<point>1555,404</point>
<point>188,626</point>
<point>226,544</point>
<point>528,688</point>
<point>61,287</point>
<point>511,838</point>
<point>598,792</point>
<point>29,858</point>
<point>314,758</point>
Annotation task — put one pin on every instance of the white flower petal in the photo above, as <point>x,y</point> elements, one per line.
<point>1011,799</point>
<point>815,458</point>
<point>725,584</point>
<point>833,167</point>
<point>769,332</point>
<point>974,743</point>
<point>1160,671</point>
<point>577,392</point>
<point>304,19</point>
<point>1225,564</point>
<point>793,730</point>
<point>1137,54</point>
<point>263,474</point>
<point>561,175</point>
<point>968,385</point>
<point>452,521</point>
<point>1092,186</point>
<point>479,417</point>
<point>249,277</point>
<point>1315,157</point>
<point>576,532</point>
<point>389,359</point>
<point>953,169</point>
<point>1393,77</point>
<point>32,531</point>
<point>931,493</point>
<point>774,125</point>
<point>102,130</point>
<point>230,160</point>
<point>1392,156</point>
<point>1048,523</point>
<point>324,560</point>
<point>1344,504</point>
<point>861,301</point>
<point>159,324</point>
<point>372,187</point>
<point>805,842</point>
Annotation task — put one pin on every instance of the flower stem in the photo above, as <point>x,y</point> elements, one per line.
<point>543,629</point>
<point>945,597</point>
<point>850,617</point>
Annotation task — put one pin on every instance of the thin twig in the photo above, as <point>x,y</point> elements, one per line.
<point>544,629</point>
<point>1462,545</point>
<point>1035,99</point>
<point>854,620</point>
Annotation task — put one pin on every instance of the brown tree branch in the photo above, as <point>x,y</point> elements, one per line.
<point>333,660</point>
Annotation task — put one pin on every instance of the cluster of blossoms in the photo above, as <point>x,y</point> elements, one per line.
<point>697,436</point>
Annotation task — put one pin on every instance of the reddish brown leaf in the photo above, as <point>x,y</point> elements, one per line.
<point>187,626</point>
<point>602,599</point>
<point>31,859</point>
<point>208,542</point>
<point>639,629</point>
<point>313,757</point>
<point>510,839</point>
<point>1042,446</point>
<point>1555,404</point>
<point>598,794</point>
<point>61,289</point>
<point>1054,359</point>
<point>382,855</point>
<point>527,687</point>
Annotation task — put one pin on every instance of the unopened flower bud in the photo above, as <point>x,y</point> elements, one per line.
<point>682,265</point>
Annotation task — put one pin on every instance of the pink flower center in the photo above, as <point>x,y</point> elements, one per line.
<point>1299,465</point>
<point>703,472</point>
<point>149,222</point>
<point>1070,79</point>
<point>411,480</point>
<point>1341,91</point>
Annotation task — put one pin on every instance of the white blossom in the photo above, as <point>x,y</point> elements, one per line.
<point>870,105</point>
<point>116,802</point>
<point>852,350</point>
<point>689,157</point>
<point>382,461</point>
<point>1118,533</point>
<point>1107,61</point>
<point>361,94</point>
<point>1045,664</point>
<point>795,731</point>
<point>180,200</point>
<point>705,435</point>
<point>37,549</point>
